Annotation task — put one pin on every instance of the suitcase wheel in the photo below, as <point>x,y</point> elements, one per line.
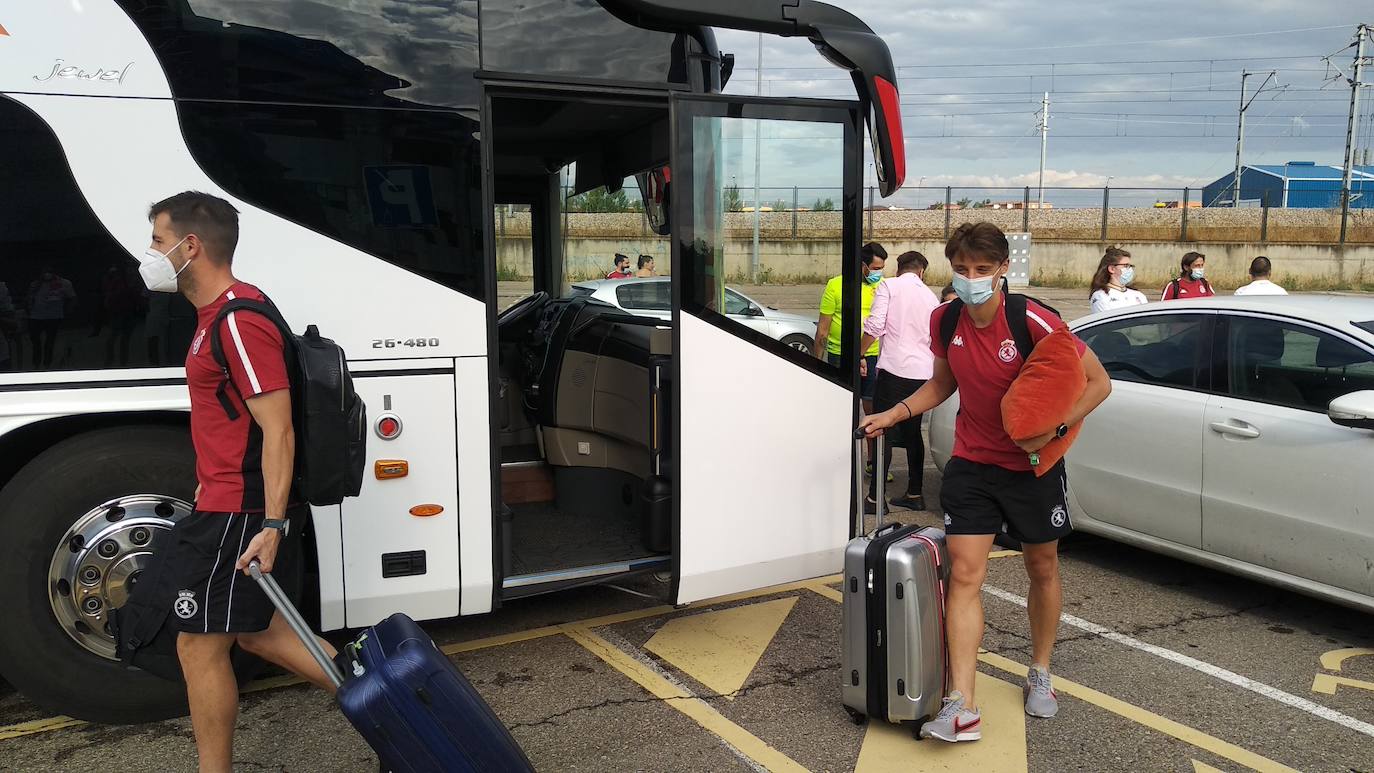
<point>854,716</point>
<point>916,729</point>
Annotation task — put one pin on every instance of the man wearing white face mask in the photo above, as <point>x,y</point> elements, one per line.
<point>989,482</point>
<point>245,504</point>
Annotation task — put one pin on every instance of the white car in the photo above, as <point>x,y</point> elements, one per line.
<point>652,298</point>
<point>1239,434</point>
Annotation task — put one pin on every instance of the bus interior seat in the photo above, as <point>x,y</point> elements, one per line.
<point>594,408</point>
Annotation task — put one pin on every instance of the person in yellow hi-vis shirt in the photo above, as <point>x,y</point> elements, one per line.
<point>872,258</point>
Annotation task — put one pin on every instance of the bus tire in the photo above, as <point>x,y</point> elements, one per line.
<point>37,508</point>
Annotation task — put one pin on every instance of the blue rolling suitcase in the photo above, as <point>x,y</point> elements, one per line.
<point>408,700</point>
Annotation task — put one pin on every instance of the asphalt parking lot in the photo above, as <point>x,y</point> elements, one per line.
<point>1161,666</point>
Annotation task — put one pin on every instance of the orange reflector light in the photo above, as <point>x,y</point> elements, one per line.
<point>425,511</point>
<point>388,426</point>
<point>387,469</point>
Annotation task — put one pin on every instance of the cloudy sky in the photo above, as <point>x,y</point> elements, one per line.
<point>1145,92</point>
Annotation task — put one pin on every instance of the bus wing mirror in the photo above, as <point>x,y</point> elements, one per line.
<point>655,187</point>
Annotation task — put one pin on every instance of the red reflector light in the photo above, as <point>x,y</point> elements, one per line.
<point>388,426</point>
<point>892,116</point>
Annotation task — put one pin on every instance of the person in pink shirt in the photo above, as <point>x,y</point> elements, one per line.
<point>901,320</point>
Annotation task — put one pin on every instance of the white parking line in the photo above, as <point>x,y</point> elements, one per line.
<point>1230,677</point>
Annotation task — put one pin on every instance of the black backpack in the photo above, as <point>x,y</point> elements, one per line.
<point>1014,308</point>
<point>330,419</point>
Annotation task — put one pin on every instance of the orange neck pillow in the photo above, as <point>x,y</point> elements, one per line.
<point>1042,395</point>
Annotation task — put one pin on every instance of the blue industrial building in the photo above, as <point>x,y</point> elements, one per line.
<point>1302,184</point>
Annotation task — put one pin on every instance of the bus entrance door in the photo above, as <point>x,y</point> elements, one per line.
<point>762,448</point>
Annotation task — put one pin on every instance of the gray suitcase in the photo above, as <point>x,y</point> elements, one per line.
<point>894,658</point>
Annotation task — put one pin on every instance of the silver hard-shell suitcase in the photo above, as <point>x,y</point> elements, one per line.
<point>894,658</point>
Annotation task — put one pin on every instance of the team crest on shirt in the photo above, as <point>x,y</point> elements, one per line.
<point>1006,351</point>
<point>185,606</point>
<point>195,345</point>
<point>958,341</point>
<point>1058,517</point>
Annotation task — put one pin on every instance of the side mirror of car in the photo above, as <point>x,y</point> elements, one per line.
<point>754,311</point>
<point>1355,410</point>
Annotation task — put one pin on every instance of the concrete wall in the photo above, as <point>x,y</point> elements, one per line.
<point>813,254</point>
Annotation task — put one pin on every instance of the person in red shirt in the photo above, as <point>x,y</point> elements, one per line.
<point>622,268</point>
<point>1191,281</point>
<point>989,484</point>
<point>245,507</point>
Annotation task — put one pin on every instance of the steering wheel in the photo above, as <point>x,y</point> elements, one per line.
<point>523,310</point>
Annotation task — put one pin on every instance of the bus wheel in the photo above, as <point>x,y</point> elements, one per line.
<point>81,521</point>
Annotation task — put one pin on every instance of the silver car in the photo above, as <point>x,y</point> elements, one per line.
<point>653,298</point>
<point>1239,434</point>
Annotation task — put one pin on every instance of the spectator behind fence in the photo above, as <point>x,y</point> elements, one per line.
<point>901,321</point>
<point>646,267</point>
<point>872,257</point>
<point>1260,270</point>
<point>1111,287</point>
<point>1191,281</point>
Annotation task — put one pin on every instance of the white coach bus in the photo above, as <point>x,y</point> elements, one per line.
<point>369,147</point>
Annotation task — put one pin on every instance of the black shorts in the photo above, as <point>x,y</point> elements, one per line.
<point>212,595</point>
<point>984,498</point>
<point>867,384</point>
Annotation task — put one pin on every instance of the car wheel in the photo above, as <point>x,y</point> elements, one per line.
<point>81,521</point>
<point>799,342</point>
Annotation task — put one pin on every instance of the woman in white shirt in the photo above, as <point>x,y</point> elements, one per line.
<point>1112,282</point>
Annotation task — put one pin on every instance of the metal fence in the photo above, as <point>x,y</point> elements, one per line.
<point>1300,215</point>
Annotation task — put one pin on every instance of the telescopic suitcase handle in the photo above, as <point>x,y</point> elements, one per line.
<point>297,623</point>
<point>879,475</point>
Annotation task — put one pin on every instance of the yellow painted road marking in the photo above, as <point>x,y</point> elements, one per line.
<point>1148,718</point>
<point>59,723</point>
<point>827,591</point>
<point>1004,553</point>
<point>1121,708</point>
<point>698,710</point>
<point>1327,683</point>
<point>1202,767</point>
<point>720,649</point>
<point>39,726</point>
<point>1331,661</point>
<point>888,747</point>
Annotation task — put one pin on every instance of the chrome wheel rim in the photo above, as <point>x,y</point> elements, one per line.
<point>99,560</point>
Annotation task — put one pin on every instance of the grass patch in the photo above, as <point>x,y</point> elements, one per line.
<point>505,272</point>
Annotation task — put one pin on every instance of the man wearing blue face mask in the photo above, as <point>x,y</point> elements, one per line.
<point>872,258</point>
<point>989,482</point>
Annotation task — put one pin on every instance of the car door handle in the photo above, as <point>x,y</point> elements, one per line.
<point>1227,428</point>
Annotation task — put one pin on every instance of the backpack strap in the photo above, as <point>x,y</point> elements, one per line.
<point>1015,309</point>
<point>949,321</point>
<point>1174,285</point>
<point>266,309</point>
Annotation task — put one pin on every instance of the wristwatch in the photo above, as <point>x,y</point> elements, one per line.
<point>1061,430</point>
<point>280,524</point>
